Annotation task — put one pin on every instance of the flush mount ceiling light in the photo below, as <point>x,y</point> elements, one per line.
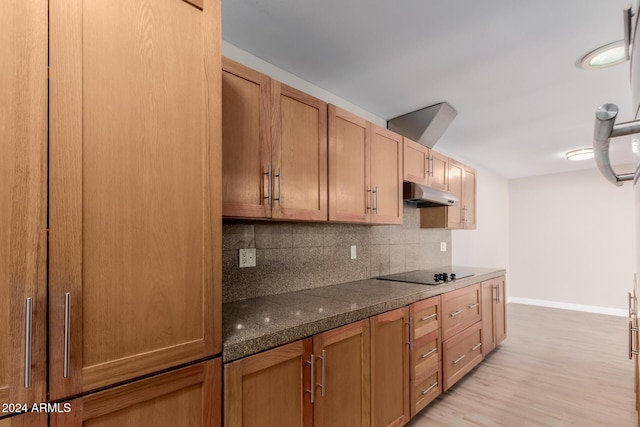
<point>605,56</point>
<point>580,154</point>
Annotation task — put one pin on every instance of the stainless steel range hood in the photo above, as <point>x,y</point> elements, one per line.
<point>422,196</point>
<point>424,126</point>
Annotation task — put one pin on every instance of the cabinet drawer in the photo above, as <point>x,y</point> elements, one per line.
<point>424,392</point>
<point>460,309</point>
<point>425,317</point>
<point>425,356</point>
<point>461,353</point>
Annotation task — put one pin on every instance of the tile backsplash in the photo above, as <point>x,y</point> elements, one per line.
<point>296,256</point>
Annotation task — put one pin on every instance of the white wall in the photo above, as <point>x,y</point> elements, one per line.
<point>571,241</point>
<point>488,244</point>
<point>251,61</point>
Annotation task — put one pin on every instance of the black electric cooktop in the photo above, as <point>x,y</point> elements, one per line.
<point>432,277</point>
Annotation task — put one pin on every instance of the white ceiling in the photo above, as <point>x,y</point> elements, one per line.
<point>507,66</point>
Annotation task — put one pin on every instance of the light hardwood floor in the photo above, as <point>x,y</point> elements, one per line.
<point>556,368</point>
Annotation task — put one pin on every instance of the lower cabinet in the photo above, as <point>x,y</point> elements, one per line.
<point>32,419</point>
<point>494,328</point>
<point>272,389</point>
<point>185,397</point>
<point>390,368</point>
<point>461,354</point>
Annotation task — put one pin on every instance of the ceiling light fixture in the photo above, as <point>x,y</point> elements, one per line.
<point>605,56</point>
<point>580,154</point>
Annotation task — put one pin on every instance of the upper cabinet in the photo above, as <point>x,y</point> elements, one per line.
<point>462,183</point>
<point>274,148</point>
<point>23,204</point>
<point>134,185</point>
<point>424,166</point>
<point>365,170</point>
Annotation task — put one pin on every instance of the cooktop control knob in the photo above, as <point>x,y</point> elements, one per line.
<point>453,276</point>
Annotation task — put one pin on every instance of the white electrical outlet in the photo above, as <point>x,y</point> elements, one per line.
<point>353,252</point>
<point>443,246</point>
<point>247,258</point>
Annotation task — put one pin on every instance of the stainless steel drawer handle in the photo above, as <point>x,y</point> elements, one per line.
<point>455,313</point>
<point>431,316</point>
<point>431,387</point>
<point>312,388</point>
<point>475,347</point>
<point>428,353</point>
<point>605,129</point>
<point>458,359</point>
<point>473,306</point>
<point>67,333</point>
<point>27,341</point>
<point>632,351</point>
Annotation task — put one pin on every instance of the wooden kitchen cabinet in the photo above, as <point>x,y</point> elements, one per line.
<point>426,350</point>
<point>135,201</point>
<point>23,204</point>
<point>424,166</point>
<point>390,402</point>
<point>461,309</point>
<point>494,327</point>
<point>460,354</point>
<point>32,419</point>
<point>186,397</point>
<point>461,182</point>
<point>246,142</point>
<point>274,148</point>
<point>343,372</point>
<point>365,170</point>
<point>270,389</point>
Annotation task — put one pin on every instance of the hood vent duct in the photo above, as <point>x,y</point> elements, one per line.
<point>422,196</point>
<point>424,126</point>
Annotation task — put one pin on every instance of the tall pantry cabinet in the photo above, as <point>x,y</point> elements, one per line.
<point>134,208</point>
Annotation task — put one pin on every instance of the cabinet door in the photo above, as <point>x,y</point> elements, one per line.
<point>269,389</point>
<point>469,197</point>
<point>299,155</point>
<point>23,200</point>
<point>386,176</point>
<point>246,142</point>
<point>135,194</point>
<point>342,377</point>
<point>488,316</point>
<point>33,419</point>
<point>455,173</point>
<point>349,167</point>
<point>416,162</point>
<point>186,397</point>
<point>438,170</point>
<point>390,368</point>
<point>500,310</point>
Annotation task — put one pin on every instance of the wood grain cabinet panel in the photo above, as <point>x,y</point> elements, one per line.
<point>500,309</point>
<point>390,368</point>
<point>270,389</point>
<point>461,181</point>
<point>186,397</point>
<point>460,354</point>
<point>494,327</point>
<point>424,166</point>
<point>33,419</point>
<point>23,203</point>
<point>246,141</point>
<point>461,309</point>
<point>365,170</point>
<point>299,155</point>
<point>135,194</point>
<point>426,317</point>
<point>343,399</point>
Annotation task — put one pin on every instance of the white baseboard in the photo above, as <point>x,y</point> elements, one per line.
<point>566,306</point>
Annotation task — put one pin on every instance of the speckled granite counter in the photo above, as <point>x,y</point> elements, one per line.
<point>258,324</point>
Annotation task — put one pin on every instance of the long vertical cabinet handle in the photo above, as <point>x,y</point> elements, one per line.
<point>376,191</point>
<point>27,342</point>
<point>431,166</point>
<point>632,350</point>
<point>497,294</point>
<point>322,374</point>
<point>370,207</point>
<point>312,386</point>
<point>279,176</point>
<point>67,332</point>
<point>268,196</point>
<point>631,310</point>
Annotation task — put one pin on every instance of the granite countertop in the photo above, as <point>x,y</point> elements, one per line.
<point>254,325</point>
